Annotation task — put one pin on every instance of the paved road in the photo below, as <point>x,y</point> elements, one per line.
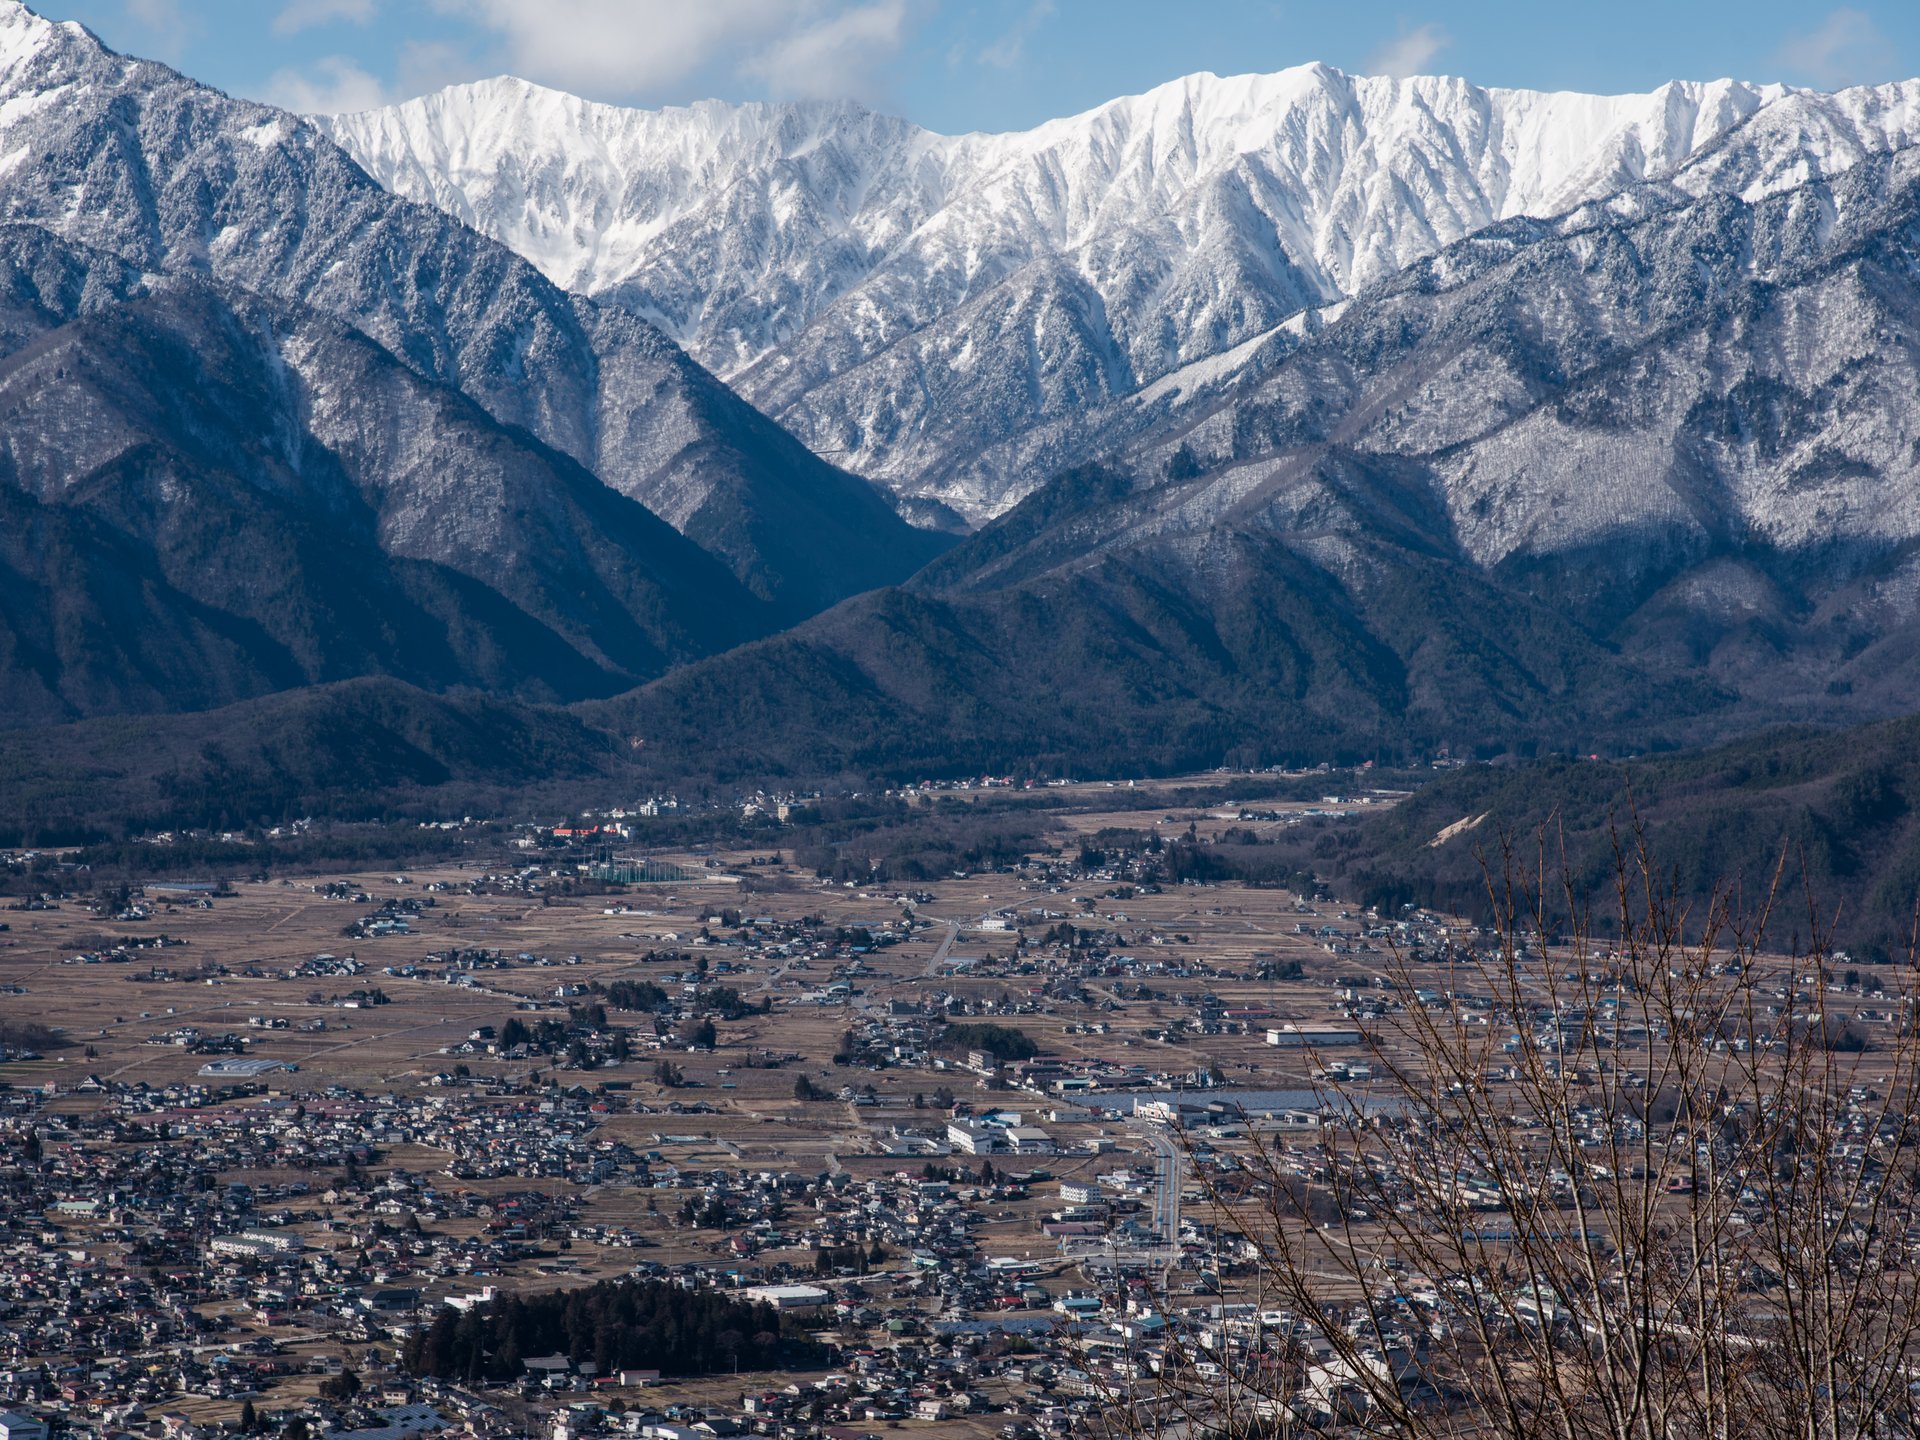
<point>942,950</point>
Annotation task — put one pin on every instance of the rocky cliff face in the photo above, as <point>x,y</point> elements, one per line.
<point>264,424</point>
<point>1386,459</point>
<point>212,494</point>
<point>1695,422</point>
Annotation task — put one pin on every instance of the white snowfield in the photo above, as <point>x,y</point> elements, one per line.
<point>918,303</point>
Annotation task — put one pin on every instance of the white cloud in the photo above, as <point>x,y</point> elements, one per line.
<point>331,85</point>
<point>624,46</point>
<point>837,57</point>
<point>298,15</point>
<point>155,14</point>
<point>1846,49</point>
<point>634,48</point>
<point>1011,48</point>
<point>1411,52</point>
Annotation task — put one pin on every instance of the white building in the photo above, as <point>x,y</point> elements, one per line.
<point>1029,1140</point>
<point>999,1133</point>
<point>242,1067</point>
<point>1320,1036</point>
<point>789,1297</point>
<point>256,1243</point>
<point>970,1137</point>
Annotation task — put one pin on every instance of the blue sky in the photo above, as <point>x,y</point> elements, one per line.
<point>989,64</point>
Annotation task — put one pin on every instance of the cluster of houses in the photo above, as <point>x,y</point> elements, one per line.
<point>977,1285</point>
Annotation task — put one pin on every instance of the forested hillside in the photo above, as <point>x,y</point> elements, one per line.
<point>1836,814</point>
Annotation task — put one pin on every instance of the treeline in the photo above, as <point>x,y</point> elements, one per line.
<point>361,750</point>
<point>568,1038</point>
<point>546,1036</point>
<point>1238,854</point>
<point>1236,857</point>
<point>30,1035</point>
<point>878,840</point>
<point>614,1325</point>
<point>116,864</point>
<point>1003,1042</point>
<point>635,995</point>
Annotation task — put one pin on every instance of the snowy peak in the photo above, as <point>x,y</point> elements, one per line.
<point>1517,149</point>
<point>233,217</point>
<point>27,42</point>
<point>926,304</point>
<point>583,189</point>
<point>588,187</point>
<point>1805,135</point>
<point>22,34</point>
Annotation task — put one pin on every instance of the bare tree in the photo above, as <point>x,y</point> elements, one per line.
<point>1639,1188</point>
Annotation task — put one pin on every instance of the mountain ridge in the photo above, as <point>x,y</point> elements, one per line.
<point>929,305</point>
<point>129,157</point>
<point>1636,474</point>
<point>1641,475</point>
<point>287,429</point>
<point>235,456</point>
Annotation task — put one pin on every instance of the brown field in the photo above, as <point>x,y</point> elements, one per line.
<point>274,926</point>
<point>230,968</point>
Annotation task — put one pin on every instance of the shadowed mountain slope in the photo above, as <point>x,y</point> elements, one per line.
<point>291,428</point>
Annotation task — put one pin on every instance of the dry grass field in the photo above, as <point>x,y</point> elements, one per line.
<point>1147,987</point>
<point>261,930</point>
<point>240,961</point>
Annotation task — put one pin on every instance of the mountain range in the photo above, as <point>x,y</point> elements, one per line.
<point>1424,418</point>
<point>1639,475</point>
<point>1821,828</point>
<point>951,315</point>
<point>265,424</point>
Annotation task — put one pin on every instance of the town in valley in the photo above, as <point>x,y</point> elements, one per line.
<point>955,1156</point>
<point>275,1126</point>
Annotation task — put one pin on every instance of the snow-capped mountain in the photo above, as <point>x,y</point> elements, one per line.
<point>1647,472</point>
<point>932,309</point>
<point>263,423</point>
<point>130,157</point>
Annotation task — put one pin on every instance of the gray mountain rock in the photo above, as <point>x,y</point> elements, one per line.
<point>1643,474</point>
<point>212,494</point>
